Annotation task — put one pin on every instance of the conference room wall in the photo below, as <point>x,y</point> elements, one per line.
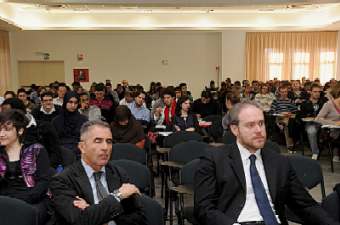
<point>137,56</point>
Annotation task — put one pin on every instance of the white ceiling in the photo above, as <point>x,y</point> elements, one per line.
<point>170,15</point>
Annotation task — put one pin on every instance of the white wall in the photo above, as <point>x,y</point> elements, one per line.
<point>135,56</point>
<point>233,55</point>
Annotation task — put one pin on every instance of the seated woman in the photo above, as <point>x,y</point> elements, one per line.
<point>330,114</point>
<point>24,169</point>
<point>68,122</point>
<point>125,128</point>
<point>184,120</point>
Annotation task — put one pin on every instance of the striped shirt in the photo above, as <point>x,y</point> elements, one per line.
<point>283,105</point>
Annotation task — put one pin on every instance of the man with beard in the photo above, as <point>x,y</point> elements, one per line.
<point>247,183</point>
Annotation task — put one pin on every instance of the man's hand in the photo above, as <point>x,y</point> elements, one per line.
<point>127,190</point>
<point>80,203</point>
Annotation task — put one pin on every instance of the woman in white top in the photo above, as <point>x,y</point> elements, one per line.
<point>264,98</point>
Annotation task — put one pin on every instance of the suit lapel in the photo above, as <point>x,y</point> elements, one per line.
<point>112,178</point>
<point>270,168</point>
<point>237,166</point>
<point>84,183</point>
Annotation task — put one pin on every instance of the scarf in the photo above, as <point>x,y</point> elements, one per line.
<point>169,112</point>
<point>28,163</point>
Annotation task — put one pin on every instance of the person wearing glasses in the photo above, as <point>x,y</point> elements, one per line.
<point>47,111</point>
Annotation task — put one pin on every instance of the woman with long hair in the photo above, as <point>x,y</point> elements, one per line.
<point>184,120</point>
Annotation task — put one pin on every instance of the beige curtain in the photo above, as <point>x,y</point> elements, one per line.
<point>5,77</point>
<point>288,53</point>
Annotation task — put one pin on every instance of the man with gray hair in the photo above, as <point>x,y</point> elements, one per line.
<point>93,190</point>
<point>247,183</point>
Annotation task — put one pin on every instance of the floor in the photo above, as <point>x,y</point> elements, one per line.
<point>330,180</point>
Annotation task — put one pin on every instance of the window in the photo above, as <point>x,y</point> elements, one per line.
<point>300,65</point>
<point>275,61</point>
<point>327,66</point>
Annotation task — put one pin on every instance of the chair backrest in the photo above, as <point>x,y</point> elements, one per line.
<point>309,172</point>
<point>181,136</point>
<point>188,172</point>
<point>68,156</point>
<point>128,151</point>
<point>153,211</point>
<point>15,211</point>
<point>273,146</point>
<point>332,205</point>
<point>228,138</point>
<point>138,173</point>
<point>216,129</point>
<point>187,151</point>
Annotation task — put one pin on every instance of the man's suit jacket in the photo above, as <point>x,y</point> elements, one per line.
<point>220,188</point>
<point>73,182</point>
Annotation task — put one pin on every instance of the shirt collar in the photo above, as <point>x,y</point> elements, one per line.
<point>88,169</point>
<point>50,112</point>
<point>245,152</point>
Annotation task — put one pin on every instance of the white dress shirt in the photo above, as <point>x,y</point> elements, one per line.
<point>250,211</point>
<point>89,172</point>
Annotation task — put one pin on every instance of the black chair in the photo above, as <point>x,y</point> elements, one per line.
<point>309,172</point>
<point>68,156</point>
<point>14,211</point>
<point>185,187</point>
<point>128,151</point>
<point>228,138</point>
<point>153,211</point>
<point>273,146</point>
<point>332,205</point>
<point>187,151</point>
<point>180,136</point>
<point>138,173</point>
<point>215,131</point>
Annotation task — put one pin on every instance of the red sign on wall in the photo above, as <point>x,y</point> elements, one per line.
<point>81,75</point>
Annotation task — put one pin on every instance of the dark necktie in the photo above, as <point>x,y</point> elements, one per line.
<point>101,191</point>
<point>261,195</point>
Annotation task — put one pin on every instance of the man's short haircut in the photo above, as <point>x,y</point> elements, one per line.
<point>21,90</point>
<point>87,125</point>
<point>168,91</point>
<point>46,93</point>
<point>84,94</point>
<point>137,93</point>
<point>62,85</point>
<point>314,85</point>
<point>206,94</point>
<point>100,87</point>
<point>237,108</point>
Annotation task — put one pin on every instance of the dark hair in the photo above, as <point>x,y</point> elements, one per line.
<point>10,93</point>
<point>16,118</point>
<point>62,85</point>
<point>46,93</point>
<point>122,113</point>
<point>206,94</point>
<point>314,85</point>
<point>179,104</point>
<point>15,103</point>
<point>168,91</point>
<point>233,98</point>
<point>335,91</point>
<point>100,87</point>
<point>21,90</point>
<point>137,93</point>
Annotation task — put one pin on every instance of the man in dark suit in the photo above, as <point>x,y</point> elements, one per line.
<point>93,190</point>
<point>247,184</point>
